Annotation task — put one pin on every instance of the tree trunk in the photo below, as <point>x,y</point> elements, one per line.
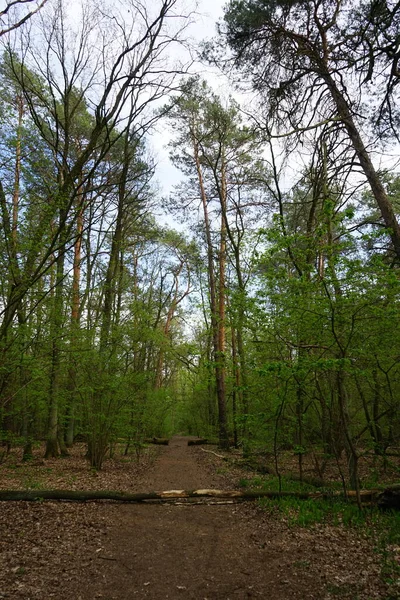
<point>220,368</point>
<point>52,427</point>
<point>236,387</point>
<point>217,304</point>
<point>75,320</point>
<point>56,332</point>
<point>240,368</point>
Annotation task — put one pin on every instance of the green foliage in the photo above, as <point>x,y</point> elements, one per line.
<point>109,329</point>
<point>306,513</point>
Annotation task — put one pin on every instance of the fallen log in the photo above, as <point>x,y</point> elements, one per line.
<point>158,441</point>
<point>204,441</point>
<point>84,495</point>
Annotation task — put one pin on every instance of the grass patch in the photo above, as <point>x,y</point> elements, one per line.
<point>333,511</point>
<point>381,527</point>
<point>305,513</point>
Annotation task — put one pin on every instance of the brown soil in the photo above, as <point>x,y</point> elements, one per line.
<point>165,551</point>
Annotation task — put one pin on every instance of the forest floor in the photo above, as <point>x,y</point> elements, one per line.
<point>112,551</point>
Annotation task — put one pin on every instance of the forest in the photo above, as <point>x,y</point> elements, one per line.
<point>268,318</point>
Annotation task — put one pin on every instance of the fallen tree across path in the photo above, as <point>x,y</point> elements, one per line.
<point>389,498</point>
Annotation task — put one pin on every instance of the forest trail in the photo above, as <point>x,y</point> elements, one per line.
<point>191,551</point>
<point>114,551</point>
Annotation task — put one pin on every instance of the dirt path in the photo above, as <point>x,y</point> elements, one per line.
<point>212,551</point>
<point>60,551</point>
<point>185,551</point>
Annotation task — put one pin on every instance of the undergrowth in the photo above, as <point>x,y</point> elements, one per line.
<point>271,483</point>
<point>382,527</point>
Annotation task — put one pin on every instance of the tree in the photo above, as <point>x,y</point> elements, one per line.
<point>136,64</point>
<point>217,153</point>
<point>314,60</point>
<point>314,323</point>
<point>68,209</point>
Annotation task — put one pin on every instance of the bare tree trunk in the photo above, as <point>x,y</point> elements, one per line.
<point>75,320</point>
<point>221,347</point>
<point>236,386</point>
<point>379,445</point>
<point>217,305</point>
<point>241,372</point>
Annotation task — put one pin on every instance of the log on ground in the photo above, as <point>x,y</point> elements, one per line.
<point>83,496</point>
<point>157,441</point>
